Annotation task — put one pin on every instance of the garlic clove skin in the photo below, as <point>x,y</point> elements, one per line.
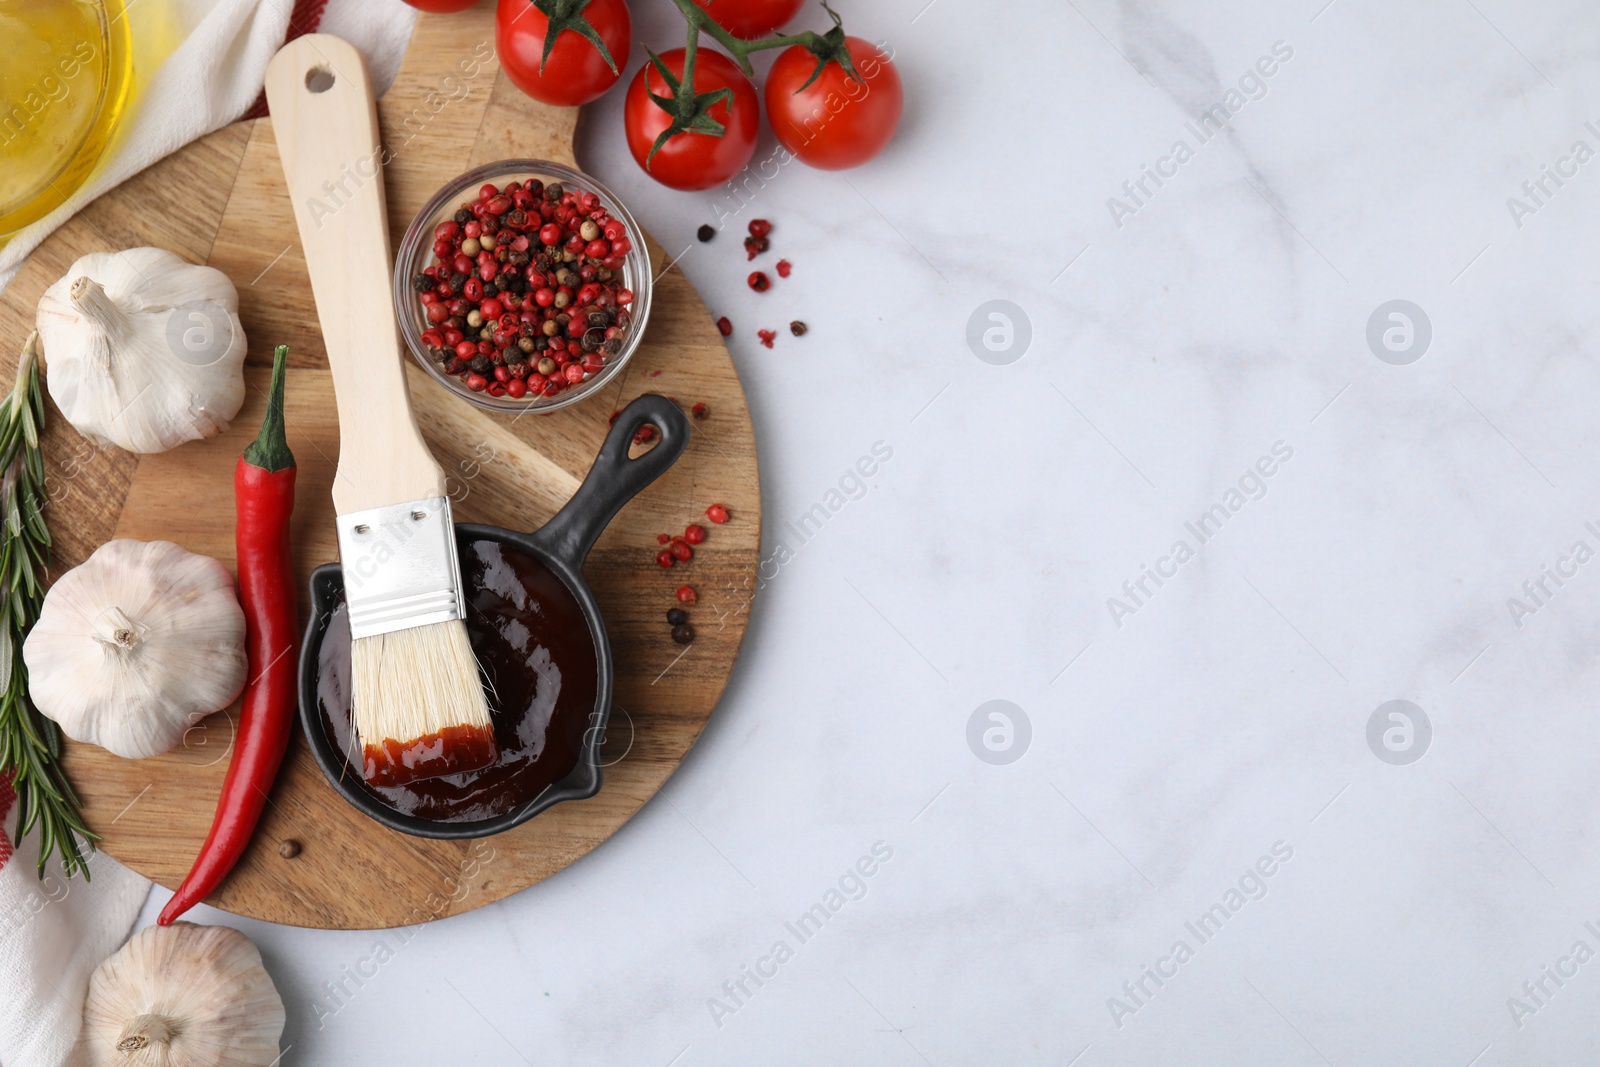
<point>136,645</point>
<point>182,996</point>
<point>144,350</point>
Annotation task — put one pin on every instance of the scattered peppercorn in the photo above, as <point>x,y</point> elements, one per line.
<point>687,595</point>
<point>717,513</point>
<point>706,232</point>
<point>644,435</point>
<point>663,539</point>
<point>681,549</point>
<point>289,849</point>
<point>694,533</point>
<point>754,246</point>
<point>683,633</point>
<point>760,227</point>
<point>699,410</point>
<point>784,267</point>
<point>759,281</point>
<point>725,327</point>
<point>677,616</point>
<point>767,336</point>
<point>797,328</point>
<point>664,558</point>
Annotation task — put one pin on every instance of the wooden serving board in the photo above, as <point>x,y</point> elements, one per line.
<point>222,201</point>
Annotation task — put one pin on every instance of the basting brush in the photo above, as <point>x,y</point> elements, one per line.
<point>417,698</point>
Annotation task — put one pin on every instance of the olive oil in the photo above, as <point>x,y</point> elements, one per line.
<point>64,84</point>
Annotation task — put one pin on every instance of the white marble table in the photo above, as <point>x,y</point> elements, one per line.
<point>1200,764</point>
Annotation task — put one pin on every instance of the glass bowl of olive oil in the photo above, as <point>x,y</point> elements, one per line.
<point>63,87</point>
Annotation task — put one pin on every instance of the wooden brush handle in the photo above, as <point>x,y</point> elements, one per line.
<point>326,123</point>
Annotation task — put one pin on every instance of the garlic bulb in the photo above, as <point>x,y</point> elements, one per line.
<point>144,350</point>
<point>182,996</point>
<point>136,645</point>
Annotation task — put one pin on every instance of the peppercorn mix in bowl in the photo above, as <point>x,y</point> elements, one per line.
<point>523,285</point>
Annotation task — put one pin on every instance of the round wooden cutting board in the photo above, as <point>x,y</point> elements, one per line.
<point>222,201</point>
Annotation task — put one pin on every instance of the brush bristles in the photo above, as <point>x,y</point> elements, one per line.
<point>419,685</point>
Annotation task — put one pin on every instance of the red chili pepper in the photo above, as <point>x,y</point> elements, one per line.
<point>263,489</point>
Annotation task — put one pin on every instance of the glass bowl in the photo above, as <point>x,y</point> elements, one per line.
<point>416,253</point>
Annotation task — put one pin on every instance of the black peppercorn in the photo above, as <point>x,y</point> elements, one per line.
<point>706,232</point>
<point>683,633</point>
<point>457,281</point>
<point>797,328</point>
<point>598,318</point>
<point>456,365</point>
<point>592,340</point>
<point>422,283</point>
<point>463,217</point>
<point>612,346</point>
<point>481,364</point>
<point>519,259</point>
<point>553,191</point>
<point>541,262</point>
<point>517,354</point>
<point>677,616</point>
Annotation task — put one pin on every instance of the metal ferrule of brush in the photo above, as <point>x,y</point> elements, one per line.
<point>400,567</point>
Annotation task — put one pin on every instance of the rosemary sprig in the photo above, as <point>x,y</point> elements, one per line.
<point>30,744</point>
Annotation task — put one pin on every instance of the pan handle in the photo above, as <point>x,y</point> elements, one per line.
<point>614,479</point>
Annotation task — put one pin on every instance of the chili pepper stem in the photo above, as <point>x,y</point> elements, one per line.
<point>270,449</point>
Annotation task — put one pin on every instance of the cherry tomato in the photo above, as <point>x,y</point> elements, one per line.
<point>576,72</point>
<point>441,7</point>
<point>693,160</point>
<point>749,19</point>
<point>836,121</point>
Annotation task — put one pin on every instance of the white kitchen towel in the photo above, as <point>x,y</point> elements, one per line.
<point>213,76</point>
<point>53,934</point>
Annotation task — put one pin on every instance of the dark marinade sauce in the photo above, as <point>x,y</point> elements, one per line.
<point>534,646</point>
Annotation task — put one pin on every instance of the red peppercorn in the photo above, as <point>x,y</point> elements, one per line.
<point>681,550</point>
<point>694,533</point>
<point>486,190</point>
<point>687,595</point>
<point>784,267</point>
<point>663,539</point>
<point>760,227</point>
<point>624,297</point>
<point>717,513</point>
<point>447,229</point>
<point>491,309</point>
<point>767,336</point>
<point>700,410</point>
<point>665,558</point>
<point>516,388</point>
<point>613,229</point>
<point>550,234</point>
<point>759,281</point>
<point>725,327</point>
<point>476,382</point>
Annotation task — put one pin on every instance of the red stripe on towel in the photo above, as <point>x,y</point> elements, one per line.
<point>7,798</point>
